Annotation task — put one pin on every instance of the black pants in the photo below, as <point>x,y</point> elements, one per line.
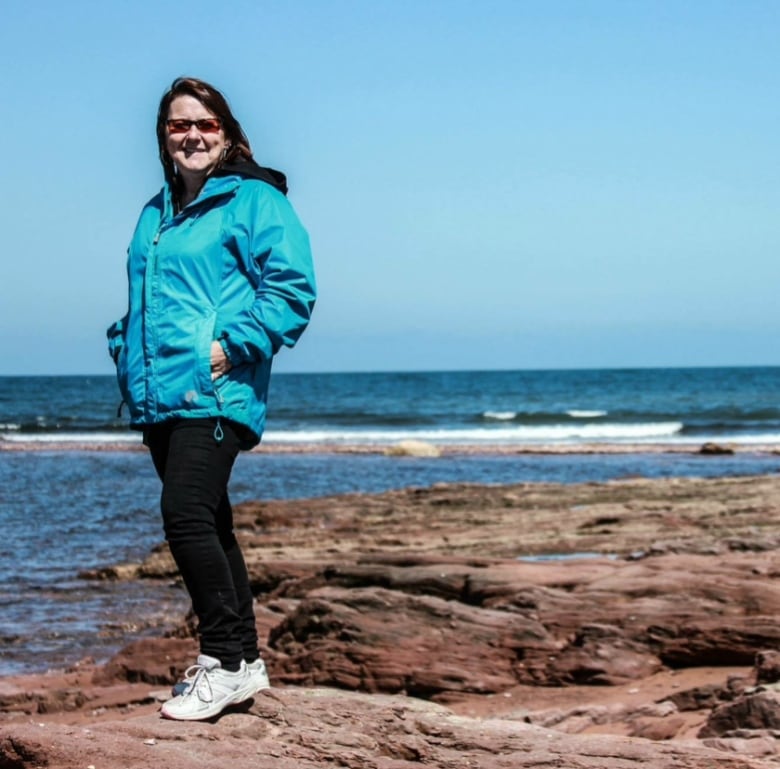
<point>195,468</point>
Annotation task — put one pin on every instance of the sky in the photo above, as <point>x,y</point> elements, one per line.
<point>496,184</point>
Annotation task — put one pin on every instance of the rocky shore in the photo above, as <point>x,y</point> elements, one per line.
<point>533,625</point>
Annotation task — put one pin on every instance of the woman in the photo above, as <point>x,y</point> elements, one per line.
<point>220,277</point>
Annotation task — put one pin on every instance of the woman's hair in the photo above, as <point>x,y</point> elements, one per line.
<point>213,101</point>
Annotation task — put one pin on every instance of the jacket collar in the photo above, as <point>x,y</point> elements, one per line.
<point>215,186</point>
<point>248,169</point>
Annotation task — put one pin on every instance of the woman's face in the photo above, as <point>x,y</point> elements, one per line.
<point>195,152</point>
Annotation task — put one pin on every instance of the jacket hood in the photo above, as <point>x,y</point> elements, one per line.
<point>248,169</point>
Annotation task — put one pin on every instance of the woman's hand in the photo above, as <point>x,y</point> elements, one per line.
<point>220,364</point>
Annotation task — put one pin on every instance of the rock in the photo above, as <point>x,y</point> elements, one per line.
<point>758,745</point>
<point>150,661</point>
<point>602,655</point>
<point>121,571</point>
<point>700,697</point>
<point>411,448</point>
<point>718,641</point>
<point>364,600</point>
<point>476,521</point>
<point>715,449</point>
<point>596,621</point>
<point>577,719</point>
<point>375,639</point>
<point>754,711</point>
<point>767,667</point>
<point>311,728</point>
<point>658,729</point>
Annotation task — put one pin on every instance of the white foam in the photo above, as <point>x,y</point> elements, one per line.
<point>745,439</point>
<point>568,433</point>
<point>585,414</point>
<point>500,416</point>
<point>9,426</point>
<point>71,437</point>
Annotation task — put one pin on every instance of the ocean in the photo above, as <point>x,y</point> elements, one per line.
<point>682,406</point>
<point>78,501</point>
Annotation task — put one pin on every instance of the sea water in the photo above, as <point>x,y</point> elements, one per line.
<point>686,406</point>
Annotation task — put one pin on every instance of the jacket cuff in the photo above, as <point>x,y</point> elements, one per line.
<point>231,355</point>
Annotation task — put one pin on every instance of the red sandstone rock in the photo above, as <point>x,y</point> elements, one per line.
<point>419,592</point>
<point>311,728</point>
<point>768,667</point>
<point>584,622</point>
<point>382,640</point>
<point>759,711</point>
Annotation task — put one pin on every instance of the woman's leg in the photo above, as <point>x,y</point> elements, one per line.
<point>238,570</point>
<point>195,469</point>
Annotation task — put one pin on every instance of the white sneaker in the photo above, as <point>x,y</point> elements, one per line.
<point>211,689</point>
<point>257,673</point>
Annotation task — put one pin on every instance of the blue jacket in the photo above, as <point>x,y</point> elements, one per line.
<point>235,266</point>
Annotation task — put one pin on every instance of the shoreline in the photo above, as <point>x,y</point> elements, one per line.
<point>443,449</point>
<point>632,656</point>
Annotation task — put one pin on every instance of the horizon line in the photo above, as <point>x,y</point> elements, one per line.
<point>550,369</point>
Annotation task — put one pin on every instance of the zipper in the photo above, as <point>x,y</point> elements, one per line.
<point>191,212</point>
<point>219,433</point>
<point>150,305</point>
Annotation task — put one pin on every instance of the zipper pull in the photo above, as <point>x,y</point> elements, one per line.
<point>218,432</point>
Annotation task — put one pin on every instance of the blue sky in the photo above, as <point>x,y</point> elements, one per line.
<point>495,184</point>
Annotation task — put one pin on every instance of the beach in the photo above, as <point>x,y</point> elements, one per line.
<point>599,623</point>
<point>94,505</point>
<point>456,569</point>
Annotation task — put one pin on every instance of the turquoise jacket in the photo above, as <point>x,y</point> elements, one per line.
<point>234,266</point>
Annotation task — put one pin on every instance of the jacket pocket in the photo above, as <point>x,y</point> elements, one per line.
<point>203,351</point>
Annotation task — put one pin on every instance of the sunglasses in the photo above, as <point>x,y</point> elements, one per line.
<point>207,125</point>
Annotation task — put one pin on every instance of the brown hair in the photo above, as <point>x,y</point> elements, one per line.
<point>216,103</point>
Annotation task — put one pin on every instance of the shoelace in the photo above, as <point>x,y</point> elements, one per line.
<point>193,675</point>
